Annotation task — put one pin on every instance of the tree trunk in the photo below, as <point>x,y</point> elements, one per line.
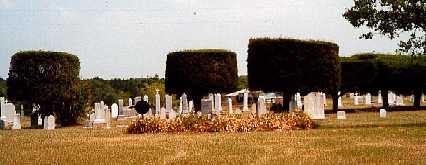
<point>385,99</point>
<point>286,101</point>
<point>417,99</point>
<point>335,98</point>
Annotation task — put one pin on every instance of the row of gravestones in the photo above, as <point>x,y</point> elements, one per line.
<point>393,99</point>
<point>10,120</point>
<point>341,115</point>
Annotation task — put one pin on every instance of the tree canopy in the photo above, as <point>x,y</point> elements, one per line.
<point>392,18</point>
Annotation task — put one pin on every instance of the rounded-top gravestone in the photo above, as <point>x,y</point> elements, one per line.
<point>142,107</point>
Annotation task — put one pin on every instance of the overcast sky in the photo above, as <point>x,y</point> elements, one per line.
<point>131,38</point>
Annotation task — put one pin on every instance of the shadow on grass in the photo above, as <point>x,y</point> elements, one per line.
<point>374,125</point>
<point>377,109</point>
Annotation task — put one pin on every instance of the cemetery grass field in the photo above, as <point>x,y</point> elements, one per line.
<point>363,138</point>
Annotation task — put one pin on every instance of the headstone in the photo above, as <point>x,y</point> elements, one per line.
<point>299,100</point>
<point>400,100</point>
<point>191,106</point>
<point>339,100</point>
<point>169,103</point>
<point>8,111</point>
<point>217,103</point>
<point>39,121</point>
<point>17,122</point>
<point>356,99</point>
<point>157,101</point>
<point>211,98</point>
<point>130,102</point>
<point>253,108</point>
<point>391,98</point>
<point>206,106</point>
<point>341,115</point>
<point>230,111</point>
<point>293,104</point>
<point>99,114</point>
<point>314,105</point>
<point>120,108</point>
<point>368,99</point>
<point>245,100</point>
<point>145,98</point>
<point>180,105</point>
<point>185,106</point>
<point>261,108</point>
<point>137,99</point>
<point>324,97</point>
<point>172,114</point>
<point>382,113</point>
<point>163,113</point>
<point>379,98</point>
<point>114,111</point>
<point>49,122</point>
<point>108,117</point>
<point>423,98</point>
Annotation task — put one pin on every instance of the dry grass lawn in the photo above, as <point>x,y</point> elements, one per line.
<point>363,138</point>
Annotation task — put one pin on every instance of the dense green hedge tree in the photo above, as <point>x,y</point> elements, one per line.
<point>370,72</point>
<point>292,65</point>
<point>49,79</point>
<point>199,72</point>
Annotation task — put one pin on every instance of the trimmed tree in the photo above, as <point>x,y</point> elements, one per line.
<point>199,72</point>
<point>292,65</point>
<point>49,79</point>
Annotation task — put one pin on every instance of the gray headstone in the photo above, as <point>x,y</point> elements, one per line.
<point>245,101</point>
<point>379,98</point>
<point>157,102</point>
<point>99,113</point>
<point>368,99</point>
<point>120,107</point>
<point>230,110</point>
<point>169,103</point>
<point>172,115</point>
<point>206,106</point>
<point>163,113</point>
<point>261,109</point>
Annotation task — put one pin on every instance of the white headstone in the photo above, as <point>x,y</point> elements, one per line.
<point>39,121</point>
<point>423,98</point>
<point>368,99</point>
<point>245,101</point>
<point>324,97</point>
<point>99,114</point>
<point>261,109</point>
<point>211,98</point>
<point>230,111</point>
<point>382,113</point>
<point>172,114</point>
<point>108,117</point>
<point>356,99</point>
<point>17,122</point>
<point>341,115</point>
<point>314,105</point>
<point>180,106</point>
<point>145,98</point>
<point>114,110</point>
<point>130,102</point>
<point>185,106</point>
<point>299,100</point>
<point>49,122</point>
<point>8,110</point>
<point>191,106</point>
<point>157,101</point>
<point>379,98</point>
<point>163,113</point>
<point>400,100</point>
<point>339,100</point>
<point>169,103</point>
<point>217,103</point>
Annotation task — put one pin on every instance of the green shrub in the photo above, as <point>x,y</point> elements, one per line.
<point>199,72</point>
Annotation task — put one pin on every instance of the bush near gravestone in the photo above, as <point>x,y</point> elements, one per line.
<point>49,79</point>
<point>199,72</point>
<point>292,65</point>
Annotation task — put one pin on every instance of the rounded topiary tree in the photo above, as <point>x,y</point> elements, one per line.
<point>291,65</point>
<point>199,72</point>
<point>49,79</point>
